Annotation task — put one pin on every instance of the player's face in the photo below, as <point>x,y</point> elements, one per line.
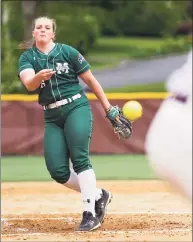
<point>43,31</point>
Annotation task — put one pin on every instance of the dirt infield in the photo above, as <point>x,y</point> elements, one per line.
<point>140,211</point>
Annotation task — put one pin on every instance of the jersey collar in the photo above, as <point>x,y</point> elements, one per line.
<point>42,55</point>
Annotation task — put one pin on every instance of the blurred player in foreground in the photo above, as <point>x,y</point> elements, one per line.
<point>169,138</point>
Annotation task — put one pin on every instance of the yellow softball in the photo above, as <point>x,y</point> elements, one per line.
<point>132,110</point>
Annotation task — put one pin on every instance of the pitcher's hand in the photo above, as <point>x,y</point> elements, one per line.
<point>45,74</point>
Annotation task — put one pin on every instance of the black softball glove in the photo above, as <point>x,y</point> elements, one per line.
<point>122,126</point>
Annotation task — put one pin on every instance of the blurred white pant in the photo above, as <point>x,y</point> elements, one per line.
<point>169,144</point>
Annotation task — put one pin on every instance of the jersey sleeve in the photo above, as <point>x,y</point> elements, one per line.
<point>24,63</point>
<point>78,61</point>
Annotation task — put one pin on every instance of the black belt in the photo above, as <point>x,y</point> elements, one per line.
<point>179,98</point>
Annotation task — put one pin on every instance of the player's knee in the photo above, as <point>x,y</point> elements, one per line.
<point>59,175</point>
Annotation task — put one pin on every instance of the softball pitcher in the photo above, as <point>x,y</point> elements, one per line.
<point>52,69</point>
<point>169,139</point>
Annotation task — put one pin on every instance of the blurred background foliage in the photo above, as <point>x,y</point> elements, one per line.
<point>98,29</point>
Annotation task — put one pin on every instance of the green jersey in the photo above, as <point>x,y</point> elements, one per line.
<point>68,64</point>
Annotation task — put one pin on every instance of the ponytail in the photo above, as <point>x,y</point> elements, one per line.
<point>25,45</point>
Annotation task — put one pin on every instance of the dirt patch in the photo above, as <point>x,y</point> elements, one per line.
<point>140,211</point>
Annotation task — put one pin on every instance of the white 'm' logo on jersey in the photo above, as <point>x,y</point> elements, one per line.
<point>62,67</point>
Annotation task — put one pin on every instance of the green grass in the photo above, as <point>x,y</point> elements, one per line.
<point>102,63</point>
<point>118,167</point>
<point>123,46</point>
<point>150,87</point>
<point>108,52</point>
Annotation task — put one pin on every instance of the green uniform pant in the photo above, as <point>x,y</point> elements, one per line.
<point>67,135</point>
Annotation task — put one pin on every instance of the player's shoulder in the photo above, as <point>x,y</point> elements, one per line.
<point>67,48</point>
<point>27,54</point>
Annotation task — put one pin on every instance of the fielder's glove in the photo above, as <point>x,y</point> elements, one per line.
<point>122,126</point>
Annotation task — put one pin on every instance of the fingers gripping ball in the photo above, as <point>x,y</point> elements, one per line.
<point>132,110</point>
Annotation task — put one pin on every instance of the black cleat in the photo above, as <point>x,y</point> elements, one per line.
<point>101,205</point>
<point>89,222</point>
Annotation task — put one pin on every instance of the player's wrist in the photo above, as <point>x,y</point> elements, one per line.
<point>113,113</point>
<point>107,110</point>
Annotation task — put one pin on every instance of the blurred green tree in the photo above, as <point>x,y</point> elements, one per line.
<point>143,18</point>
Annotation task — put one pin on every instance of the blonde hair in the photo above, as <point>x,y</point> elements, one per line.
<point>27,44</point>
